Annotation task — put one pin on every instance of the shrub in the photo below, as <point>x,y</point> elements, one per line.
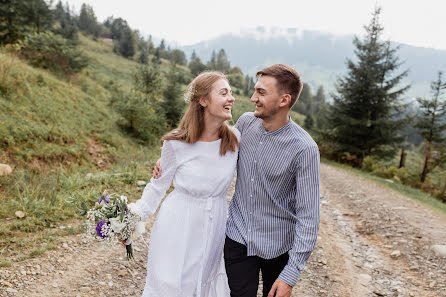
<point>142,118</point>
<point>53,52</point>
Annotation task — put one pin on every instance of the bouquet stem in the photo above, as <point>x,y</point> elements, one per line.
<point>129,249</point>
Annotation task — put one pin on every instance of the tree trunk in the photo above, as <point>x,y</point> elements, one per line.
<point>426,162</point>
<point>403,158</point>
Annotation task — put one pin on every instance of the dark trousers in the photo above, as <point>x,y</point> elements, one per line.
<point>243,271</point>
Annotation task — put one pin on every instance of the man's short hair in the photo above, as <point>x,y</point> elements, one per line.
<point>288,80</point>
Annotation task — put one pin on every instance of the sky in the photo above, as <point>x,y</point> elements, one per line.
<point>182,22</point>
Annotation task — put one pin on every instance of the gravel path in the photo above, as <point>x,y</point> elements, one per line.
<point>372,242</point>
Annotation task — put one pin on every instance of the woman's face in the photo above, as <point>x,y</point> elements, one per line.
<point>219,104</point>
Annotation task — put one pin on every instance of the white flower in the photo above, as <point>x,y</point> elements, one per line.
<point>124,199</point>
<point>116,225</point>
<point>140,229</point>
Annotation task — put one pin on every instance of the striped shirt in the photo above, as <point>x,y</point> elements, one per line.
<point>275,207</point>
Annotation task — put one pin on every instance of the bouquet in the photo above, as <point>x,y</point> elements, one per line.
<point>110,220</point>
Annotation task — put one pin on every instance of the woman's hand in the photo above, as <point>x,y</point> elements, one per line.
<point>156,170</point>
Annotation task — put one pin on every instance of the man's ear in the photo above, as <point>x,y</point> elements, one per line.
<point>285,100</point>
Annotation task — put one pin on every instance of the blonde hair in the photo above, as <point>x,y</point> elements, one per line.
<point>192,124</point>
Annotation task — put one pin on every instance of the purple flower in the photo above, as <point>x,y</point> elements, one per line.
<point>104,198</point>
<point>99,228</point>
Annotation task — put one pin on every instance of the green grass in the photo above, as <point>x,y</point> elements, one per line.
<point>53,130</point>
<point>47,124</point>
<point>406,190</point>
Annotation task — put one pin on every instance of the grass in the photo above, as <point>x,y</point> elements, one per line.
<point>47,124</point>
<point>53,131</point>
<point>406,190</point>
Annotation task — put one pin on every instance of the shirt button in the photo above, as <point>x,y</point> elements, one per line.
<point>261,142</point>
<point>250,195</point>
<point>249,230</point>
<point>252,179</point>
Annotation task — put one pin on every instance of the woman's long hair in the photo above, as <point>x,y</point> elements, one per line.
<point>192,124</point>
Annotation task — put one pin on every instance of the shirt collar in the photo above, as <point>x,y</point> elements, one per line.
<point>283,128</point>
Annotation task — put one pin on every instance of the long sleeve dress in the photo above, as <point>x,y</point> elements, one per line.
<point>186,242</point>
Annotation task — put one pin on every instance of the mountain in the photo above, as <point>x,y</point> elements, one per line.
<point>319,57</point>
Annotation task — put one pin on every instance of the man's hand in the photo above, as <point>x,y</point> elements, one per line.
<point>156,170</point>
<point>281,288</point>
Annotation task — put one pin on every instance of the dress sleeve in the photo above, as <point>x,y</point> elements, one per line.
<point>157,188</point>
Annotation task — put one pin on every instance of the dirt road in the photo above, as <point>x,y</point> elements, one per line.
<point>372,242</point>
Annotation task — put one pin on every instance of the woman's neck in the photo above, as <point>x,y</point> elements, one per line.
<point>211,131</point>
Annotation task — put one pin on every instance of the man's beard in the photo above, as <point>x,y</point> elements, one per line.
<point>268,114</point>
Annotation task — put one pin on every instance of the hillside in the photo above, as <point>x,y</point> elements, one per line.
<point>61,138</point>
<point>319,57</point>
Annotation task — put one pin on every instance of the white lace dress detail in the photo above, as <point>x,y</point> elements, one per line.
<point>186,242</point>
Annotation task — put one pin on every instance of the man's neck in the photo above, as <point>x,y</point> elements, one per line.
<point>276,122</point>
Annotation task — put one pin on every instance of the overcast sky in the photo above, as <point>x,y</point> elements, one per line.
<point>420,23</point>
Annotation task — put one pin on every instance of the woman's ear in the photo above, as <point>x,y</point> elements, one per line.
<point>203,102</point>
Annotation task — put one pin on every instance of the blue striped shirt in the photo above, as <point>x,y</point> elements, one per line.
<point>275,207</point>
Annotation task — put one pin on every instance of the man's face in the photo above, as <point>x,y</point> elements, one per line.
<point>266,97</point>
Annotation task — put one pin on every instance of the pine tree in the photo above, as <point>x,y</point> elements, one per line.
<point>178,57</point>
<point>173,103</point>
<point>212,64</point>
<point>39,14</point>
<point>12,21</point>
<point>432,122</point>
<point>196,66</point>
<point>303,105</point>
<point>249,85</point>
<point>222,63</point>
<point>193,55</point>
<point>364,113</point>
<point>88,21</point>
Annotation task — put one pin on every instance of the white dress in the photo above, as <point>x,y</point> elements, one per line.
<point>186,242</point>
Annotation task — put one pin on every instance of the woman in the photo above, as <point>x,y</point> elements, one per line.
<point>186,243</point>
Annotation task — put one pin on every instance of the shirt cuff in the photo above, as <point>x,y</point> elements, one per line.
<point>290,275</point>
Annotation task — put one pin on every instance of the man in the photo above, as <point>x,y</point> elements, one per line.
<point>274,213</point>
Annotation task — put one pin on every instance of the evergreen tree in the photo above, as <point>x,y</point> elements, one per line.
<point>88,21</point>
<point>309,122</point>
<point>318,100</point>
<point>19,17</point>
<point>193,56</point>
<point>123,38</point>
<point>432,122</point>
<point>39,14</point>
<point>178,57</point>
<point>141,113</point>
<point>222,63</point>
<point>364,114</point>
<point>162,44</point>
<point>236,78</point>
<point>249,85</point>
<point>196,67</point>
<point>68,28</point>
<point>13,21</point>
<point>303,105</point>
<point>173,103</point>
<point>150,45</point>
<point>212,64</point>
<point>59,12</point>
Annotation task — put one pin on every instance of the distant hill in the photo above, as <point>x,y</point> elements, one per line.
<point>318,57</point>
